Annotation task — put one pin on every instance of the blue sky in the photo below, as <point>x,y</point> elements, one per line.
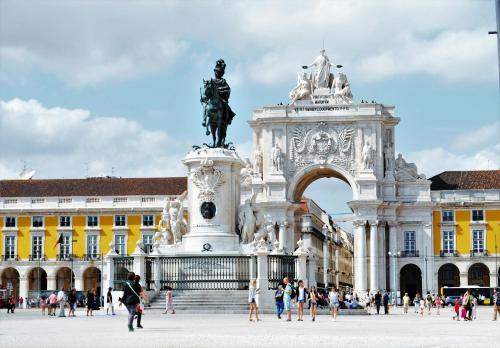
<point>116,84</point>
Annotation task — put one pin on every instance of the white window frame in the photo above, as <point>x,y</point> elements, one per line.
<point>9,235</point>
<point>98,242</point>
<point>87,222</point>
<point>414,241</point>
<point>454,241</point>
<point>472,239</point>
<point>33,220</point>
<point>70,221</point>
<point>147,234</point>
<point>37,234</point>
<point>10,217</point>
<point>442,216</point>
<point>70,249</point>
<point>142,220</point>
<point>477,221</point>
<point>126,221</point>
<point>125,237</point>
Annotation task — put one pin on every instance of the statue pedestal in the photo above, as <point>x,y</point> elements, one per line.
<point>213,200</point>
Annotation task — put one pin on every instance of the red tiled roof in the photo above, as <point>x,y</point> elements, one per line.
<point>101,186</point>
<point>466,180</point>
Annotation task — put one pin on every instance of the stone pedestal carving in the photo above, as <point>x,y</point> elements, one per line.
<point>213,190</point>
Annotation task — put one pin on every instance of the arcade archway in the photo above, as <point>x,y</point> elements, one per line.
<point>479,274</point>
<point>448,275</point>
<point>10,281</point>
<point>65,278</point>
<point>37,279</point>
<point>92,280</point>
<point>410,280</point>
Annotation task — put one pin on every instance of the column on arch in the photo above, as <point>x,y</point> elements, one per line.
<point>374,256</point>
<point>360,271</point>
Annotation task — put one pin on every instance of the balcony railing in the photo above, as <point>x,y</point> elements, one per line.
<point>409,253</point>
<point>444,253</point>
<point>476,253</point>
<point>10,257</point>
<point>65,257</point>
<point>92,257</point>
<point>38,257</point>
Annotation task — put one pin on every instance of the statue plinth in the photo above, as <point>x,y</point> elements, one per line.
<point>213,200</point>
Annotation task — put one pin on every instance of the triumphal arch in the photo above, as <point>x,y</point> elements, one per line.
<point>323,133</point>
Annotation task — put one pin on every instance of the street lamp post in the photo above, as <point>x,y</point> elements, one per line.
<point>394,254</point>
<point>72,257</point>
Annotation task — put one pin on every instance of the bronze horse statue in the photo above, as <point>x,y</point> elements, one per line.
<point>217,114</point>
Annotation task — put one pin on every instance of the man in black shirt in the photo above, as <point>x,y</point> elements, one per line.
<point>378,301</point>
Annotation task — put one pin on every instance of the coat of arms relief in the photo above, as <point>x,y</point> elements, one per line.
<point>207,178</point>
<point>321,144</point>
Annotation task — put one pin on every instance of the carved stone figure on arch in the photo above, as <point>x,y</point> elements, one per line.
<point>368,155</point>
<point>407,171</point>
<point>277,158</point>
<point>303,90</point>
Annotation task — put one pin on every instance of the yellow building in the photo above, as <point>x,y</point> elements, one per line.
<point>466,227</point>
<point>54,233</point>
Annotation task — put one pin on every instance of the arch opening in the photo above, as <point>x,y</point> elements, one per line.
<point>37,279</point>
<point>92,280</point>
<point>448,275</point>
<point>65,278</point>
<point>479,274</point>
<point>10,281</point>
<point>410,280</point>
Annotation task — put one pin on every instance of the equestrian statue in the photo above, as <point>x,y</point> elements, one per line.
<point>217,114</point>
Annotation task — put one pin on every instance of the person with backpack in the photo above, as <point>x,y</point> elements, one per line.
<point>288,298</point>
<point>278,298</point>
<point>496,304</point>
<point>131,298</point>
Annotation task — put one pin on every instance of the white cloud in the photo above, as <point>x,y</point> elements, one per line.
<point>57,142</point>
<point>478,149</point>
<point>92,43</point>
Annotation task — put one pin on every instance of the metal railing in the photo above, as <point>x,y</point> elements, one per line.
<point>149,272</point>
<point>444,253</point>
<point>122,265</point>
<point>279,267</point>
<point>10,257</point>
<point>92,257</point>
<point>38,257</point>
<point>476,253</point>
<point>65,257</point>
<point>205,272</point>
<point>410,253</point>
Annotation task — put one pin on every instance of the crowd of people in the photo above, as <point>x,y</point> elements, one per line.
<point>288,296</point>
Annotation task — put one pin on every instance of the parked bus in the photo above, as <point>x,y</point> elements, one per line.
<point>482,293</point>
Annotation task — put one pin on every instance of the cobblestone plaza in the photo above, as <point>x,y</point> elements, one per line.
<point>26,328</point>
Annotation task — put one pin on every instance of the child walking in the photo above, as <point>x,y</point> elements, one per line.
<point>169,304</point>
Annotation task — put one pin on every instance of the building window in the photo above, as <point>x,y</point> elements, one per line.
<point>120,200</point>
<point>37,247</point>
<point>447,216</point>
<point>478,241</point>
<point>120,220</point>
<point>65,200</point>
<point>10,201</point>
<point>147,220</point>
<point>65,247</point>
<point>37,221</point>
<point>64,221</point>
<point>10,247</point>
<point>121,247</point>
<point>92,200</point>
<point>10,221</point>
<point>92,246</point>
<point>477,215</point>
<point>410,242</point>
<point>448,241</point>
<point>147,241</point>
<point>37,201</point>
<point>148,199</point>
<point>92,221</point>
